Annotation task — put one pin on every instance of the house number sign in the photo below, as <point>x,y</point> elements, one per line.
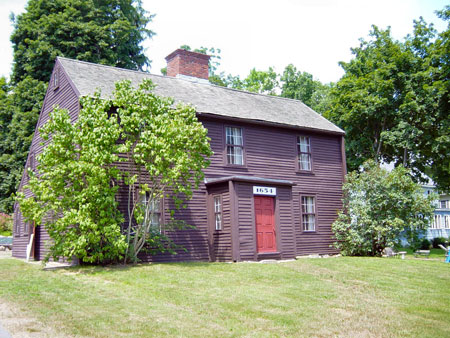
<point>267,191</point>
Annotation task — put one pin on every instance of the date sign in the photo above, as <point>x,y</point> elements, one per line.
<point>266,191</point>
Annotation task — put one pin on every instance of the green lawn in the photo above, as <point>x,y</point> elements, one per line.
<point>375,297</point>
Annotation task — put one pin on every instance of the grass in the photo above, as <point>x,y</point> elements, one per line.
<point>434,253</point>
<point>310,297</point>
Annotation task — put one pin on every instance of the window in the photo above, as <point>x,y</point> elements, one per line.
<point>308,213</point>
<point>56,79</point>
<point>218,212</point>
<point>444,204</point>
<point>235,145</point>
<point>304,153</point>
<point>152,212</point>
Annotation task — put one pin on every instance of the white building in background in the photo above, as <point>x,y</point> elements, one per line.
<point>440,224</point>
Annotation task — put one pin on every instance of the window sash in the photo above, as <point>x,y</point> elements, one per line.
<point>235,155</point>
<point>304,152</point>
<point>234,136</point>
<point>235,145</point>
<point>153,213</point>
<point>308,213</point>
<point>218,212</point>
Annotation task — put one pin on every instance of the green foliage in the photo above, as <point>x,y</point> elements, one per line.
<point>107,32</point>
<point>378,206</point>
<point>20,109</point>
<point>162,149</point>
<point>393,101</point>
<point>165,148</point>
<point>6,224</point>
<point>425,244</point>
<point>439,240</point>
<point>74,189</point>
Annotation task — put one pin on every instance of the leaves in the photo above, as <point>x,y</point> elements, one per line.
<point>393,102</point>
<point>378,206</point>
<point>156,150</point>
<point>107,32</point>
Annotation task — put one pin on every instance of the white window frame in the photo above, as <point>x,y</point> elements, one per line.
<point>234,145</point>
<point>218,219</point>
<point>304,153</point>
<point>308,214</point>
<point>152,213</point>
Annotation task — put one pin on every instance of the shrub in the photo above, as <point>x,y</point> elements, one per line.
<point>439,240</point>
<point>425,244</point>
<point>6,224</point>
<point>378,206</point>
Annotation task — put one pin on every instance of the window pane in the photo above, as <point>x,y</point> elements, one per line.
<point>305,162</point>
<point>309,222</point>
<point>308,205</point>
<point>235,155</point>
<point>155,205</point>
<point>304,146</point>
<point>218,221</point>
<point>234,136</point>
<point>217,204</point>
<point>155,220</point>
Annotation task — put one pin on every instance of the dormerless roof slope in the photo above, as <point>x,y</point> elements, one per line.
<point>206,98</point>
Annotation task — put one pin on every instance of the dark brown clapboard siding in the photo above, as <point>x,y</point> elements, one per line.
<point>221,238</point>
<point>65,97</point>
<point>270,152</point>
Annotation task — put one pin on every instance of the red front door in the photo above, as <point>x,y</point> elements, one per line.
<point>265,224</point>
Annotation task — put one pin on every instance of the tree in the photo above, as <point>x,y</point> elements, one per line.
<point>169,147</point>
<point>163,149</point>
<point>20,108</point>
<point>103,31</point>
<point>378,206</point>
<point>393,102</point>
<point>301,86</point>
<point>73,191</point>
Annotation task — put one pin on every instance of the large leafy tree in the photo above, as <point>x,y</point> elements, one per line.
<point>108,32</point>
<point>393,102</point>
<point>102,31</point>
<point>378,206</point>
<point>137,140</point>
<point>302,86</point>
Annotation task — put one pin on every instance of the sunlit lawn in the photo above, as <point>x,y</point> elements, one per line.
<point>310,297</point>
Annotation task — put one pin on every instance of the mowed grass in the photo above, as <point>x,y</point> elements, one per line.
<point>343,296</point>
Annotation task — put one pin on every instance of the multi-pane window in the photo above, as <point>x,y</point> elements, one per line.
<point>152,212</point>
<point>218,212</point>
<point>235,145</point>
<point>304,153</point>
<point>441,222</point>
<point>308,213</point>
<point>444,204</point>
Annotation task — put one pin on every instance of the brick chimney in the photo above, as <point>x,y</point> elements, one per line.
<point>183,63</point>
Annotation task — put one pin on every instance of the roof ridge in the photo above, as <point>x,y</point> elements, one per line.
<point>175,78</point>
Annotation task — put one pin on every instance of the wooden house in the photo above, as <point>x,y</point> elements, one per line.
<point>273,188</point>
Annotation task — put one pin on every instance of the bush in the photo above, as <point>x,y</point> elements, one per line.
<point>439,240</point>
<point>6,224</point>
<point>379,206</point>
<point>425,244</point>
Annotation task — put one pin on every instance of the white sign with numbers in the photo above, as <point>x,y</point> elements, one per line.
<point>266,191</point>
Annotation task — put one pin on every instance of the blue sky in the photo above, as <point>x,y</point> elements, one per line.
<point>314,35</point>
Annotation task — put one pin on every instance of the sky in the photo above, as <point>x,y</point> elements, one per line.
<point>313,35</point>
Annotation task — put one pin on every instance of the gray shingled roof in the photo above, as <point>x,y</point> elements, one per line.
<point>206,98</point>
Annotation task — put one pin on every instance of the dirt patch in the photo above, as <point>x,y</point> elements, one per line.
<point>22,325</point>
